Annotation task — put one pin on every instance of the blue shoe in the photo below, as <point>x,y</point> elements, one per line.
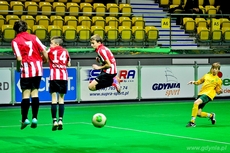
<point>116,84</point>
<point>34,123</point>
<point>25,123</point>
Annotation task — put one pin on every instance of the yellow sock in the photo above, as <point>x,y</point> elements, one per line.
<point>204,114</point>
<point>194,112</point>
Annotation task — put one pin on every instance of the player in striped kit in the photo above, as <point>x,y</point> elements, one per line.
<point>108,76</point>
<point>59,59</point>
<point>30,53</point>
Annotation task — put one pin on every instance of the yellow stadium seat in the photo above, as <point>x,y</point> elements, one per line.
<point>59,8</point>
<point>84,21</point>
<point>212,2</point>
<point>42,20</point>
<point>72,8</point>
<point>31,8</point>
<point>8,33</point>
<point>125,21</point>
<point>138,34</point>
<point>76,1</point>
<point>226,34</point>
<point>111,33</point>
<point>216,35</point>
<point>203,34</point>
<point>152,34</point>
<point>56,20</point>
<point>138,21</point>
<point>54,30</point>
<point>99,9</point>
<point>29,20</point>
<point>112,9</point>
<point>112,21</point>
<point>69,33</point>
<point>164,2</point>
<point>225,24</point>
<point>29,30</point>
<point>49,1</point>
<point>98,21</point>
<point>4,7</point>
<point>17,7</point>
<point>35,0</point>
<point>201,22</point>
<point>189,24</point>
<point>210,10</point>
<point>40,31</point>
<point>201,2</point>
<point>125,33</point>
<point>88,1</point>
<point>98,30</point>
<point>176,2</point>
<point>63,1</point>
<point>45,8</point>
<point>125,9</point>
<point>10,19</point>
<point>86,8</point>
<point>2,20</point>
<point>83,33</point>
<point>71,21</point>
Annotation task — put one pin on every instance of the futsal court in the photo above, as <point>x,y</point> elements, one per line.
<point>132,127</point>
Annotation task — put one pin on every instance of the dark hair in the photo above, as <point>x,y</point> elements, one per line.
<point>96,37</point>
<point>20,26</point>
<point>57,40</point>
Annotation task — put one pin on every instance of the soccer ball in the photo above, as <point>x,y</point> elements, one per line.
<point>99,120</point>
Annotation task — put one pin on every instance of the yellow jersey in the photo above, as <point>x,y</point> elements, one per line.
<point>211,85</point>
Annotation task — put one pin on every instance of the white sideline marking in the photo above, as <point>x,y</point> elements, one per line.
<point>112,105</point>
<point>135,130</point>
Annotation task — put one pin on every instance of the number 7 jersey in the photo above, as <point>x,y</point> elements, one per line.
<point>29,47</point>
<point>58,60</point>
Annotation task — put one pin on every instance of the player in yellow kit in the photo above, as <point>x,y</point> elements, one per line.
<point>211,86</point>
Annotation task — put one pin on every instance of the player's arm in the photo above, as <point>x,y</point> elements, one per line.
<point>17,54</point>
<point>200,81</point>
<point>106,65</point>
<point>45,56</point>
<point>218,88</point>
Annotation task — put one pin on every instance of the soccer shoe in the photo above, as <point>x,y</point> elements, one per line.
<point>60,125</point>
<point>191,124</point>
<point>213,120</point>
<point>55,126</point>
<point>34,123</point>
<point>24,124</point>
<point>116,84</point>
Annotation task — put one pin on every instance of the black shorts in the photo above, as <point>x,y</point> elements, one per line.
<point>30,83</point>
<point>104,80</point>
<point>59,86</point>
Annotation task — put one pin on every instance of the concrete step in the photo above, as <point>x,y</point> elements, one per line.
<point>144,5</point>
<point>185,42</point>
<point>147,10</point>
<point>172,32</point>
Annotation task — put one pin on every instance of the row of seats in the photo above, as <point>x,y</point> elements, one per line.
<point>83,33</point>
<point>59,8</point>
<point>63,1</point>
<point>214,35</point>
<point>190,25</point>
<point>74,21</point>
<point>183,2</point>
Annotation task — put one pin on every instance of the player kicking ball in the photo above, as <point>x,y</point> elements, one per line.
<point>108,76</point>
<point>211,86</point>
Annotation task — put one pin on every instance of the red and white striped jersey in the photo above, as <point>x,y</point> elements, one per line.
<point>29,47</point>
<point>105,54</point>
<point>58,60</point>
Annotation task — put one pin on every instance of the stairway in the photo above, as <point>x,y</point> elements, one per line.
<point>153,14</point>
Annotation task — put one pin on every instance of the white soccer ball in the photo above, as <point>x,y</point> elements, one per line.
<point>99,120</point>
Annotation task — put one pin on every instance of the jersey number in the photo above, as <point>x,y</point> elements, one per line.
<point>61,58</point>
<point>29,44</point>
